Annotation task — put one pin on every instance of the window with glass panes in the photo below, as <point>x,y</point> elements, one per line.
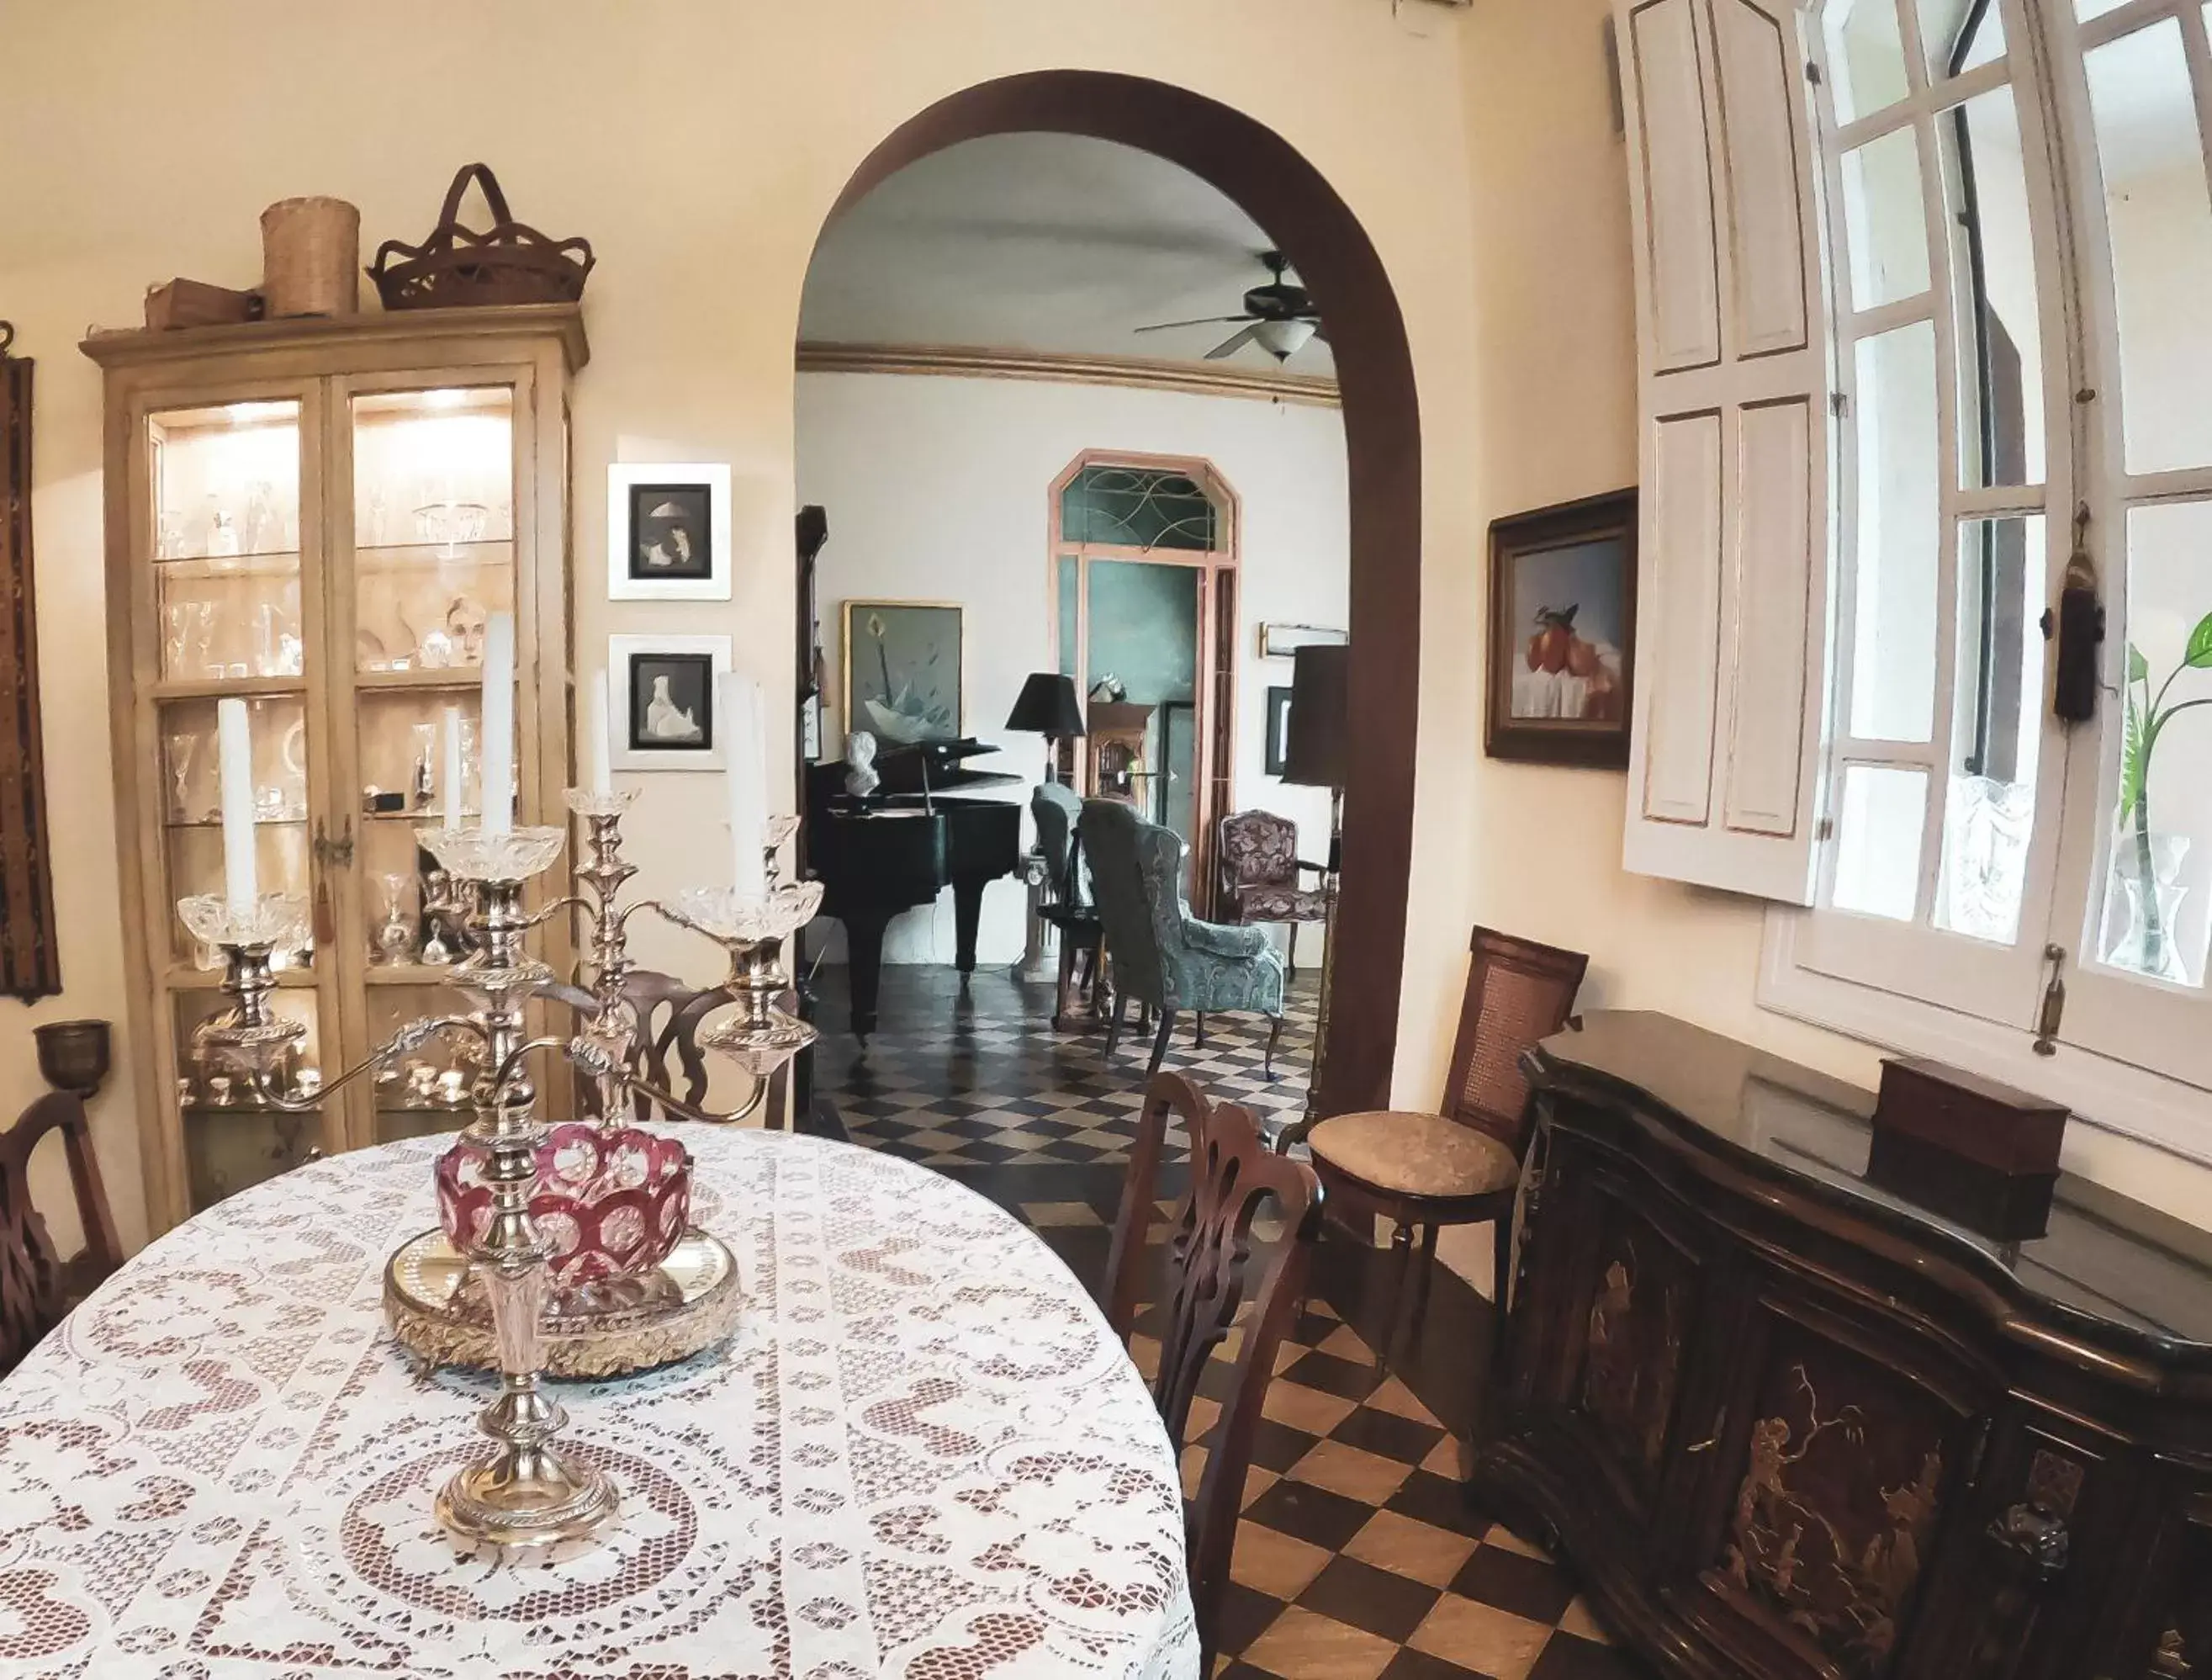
<point>2019,234</point>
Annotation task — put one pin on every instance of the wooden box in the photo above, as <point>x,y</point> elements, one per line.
<point>181,302</point>
<point>1968,1149</point>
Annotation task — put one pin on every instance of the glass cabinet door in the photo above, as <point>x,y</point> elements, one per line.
<point>433,501</point>
<point>232,609</point>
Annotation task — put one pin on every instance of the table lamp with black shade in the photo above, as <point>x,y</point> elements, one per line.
<point>1048,706</point>
<point>1317,754</point>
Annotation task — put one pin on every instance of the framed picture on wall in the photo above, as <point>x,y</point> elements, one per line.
<point>668,532</point>
<point>1278,729</point>
<point>1562,633</point>
<point>666,694</point>
<point>903,670</point>
<point>1281,640</point>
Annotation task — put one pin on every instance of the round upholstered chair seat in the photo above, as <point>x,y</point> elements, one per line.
<point>1413,1154</point>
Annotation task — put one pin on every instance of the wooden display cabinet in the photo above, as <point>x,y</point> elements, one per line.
<point>318,516</point>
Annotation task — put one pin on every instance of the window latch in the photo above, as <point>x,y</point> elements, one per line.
<point>2052,1012</point>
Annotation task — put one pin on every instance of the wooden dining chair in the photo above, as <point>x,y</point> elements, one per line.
<point>1462,1165</point>
<point>1216,1266</point>
<point>38,1287</point>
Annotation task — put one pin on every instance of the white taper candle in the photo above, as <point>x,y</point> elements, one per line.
<point>234,748</point>
<point>455,795</point>
<point>745,772</point>
<point>599,768</point>
<point>497,793</point>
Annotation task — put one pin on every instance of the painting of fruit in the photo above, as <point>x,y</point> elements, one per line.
<point>1563,596</point>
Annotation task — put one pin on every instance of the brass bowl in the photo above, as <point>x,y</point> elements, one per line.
<point>75,1055</point>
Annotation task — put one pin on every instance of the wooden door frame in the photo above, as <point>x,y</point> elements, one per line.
<point>1214,724</point>
<point>1273,182</point>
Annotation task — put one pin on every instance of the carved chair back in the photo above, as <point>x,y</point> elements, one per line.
<point>1218,1266</point>
<point>37,1286</point>
<point>1055,810</point>
<point>1518,993</point>
<point>666,1052</point>
<point>1258,849</point>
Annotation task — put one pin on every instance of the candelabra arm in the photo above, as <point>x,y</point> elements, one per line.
<point>412,1037</point>
<point>513,1058</point>
<point>545,913</point>
<point>594,1059</point>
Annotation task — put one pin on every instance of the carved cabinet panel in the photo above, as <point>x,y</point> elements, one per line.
<point>1612,1360</point>
<point>1841,1453</point>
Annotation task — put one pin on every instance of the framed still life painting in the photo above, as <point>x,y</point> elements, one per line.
<point>1562,633</point>
<point>903,670</point>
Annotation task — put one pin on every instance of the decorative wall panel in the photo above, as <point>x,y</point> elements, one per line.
<point>30,963</point>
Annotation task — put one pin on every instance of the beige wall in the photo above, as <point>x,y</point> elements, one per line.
<point>699,143</point>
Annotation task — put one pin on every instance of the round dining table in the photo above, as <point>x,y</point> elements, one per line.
<point>922,1453</point>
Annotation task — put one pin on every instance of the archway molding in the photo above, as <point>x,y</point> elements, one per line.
<point>1273,184</point>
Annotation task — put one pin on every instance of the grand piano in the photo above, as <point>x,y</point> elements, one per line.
<point>919,832</point>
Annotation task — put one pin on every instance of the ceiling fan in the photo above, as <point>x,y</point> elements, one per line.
<point>1280,317</point>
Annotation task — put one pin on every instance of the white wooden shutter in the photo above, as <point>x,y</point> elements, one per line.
<point>1733,582</point>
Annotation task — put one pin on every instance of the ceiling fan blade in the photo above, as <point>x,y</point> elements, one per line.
<point>1207,320</point>
<point>1234,345</point>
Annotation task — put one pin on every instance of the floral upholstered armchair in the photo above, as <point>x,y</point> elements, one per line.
<point>1258,866</point>
<point>1160,953</point>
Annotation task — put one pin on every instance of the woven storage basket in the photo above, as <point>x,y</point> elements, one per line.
<point>509,263</point>
<point>311,257</point>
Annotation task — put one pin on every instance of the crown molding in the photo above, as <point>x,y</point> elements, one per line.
<point>961,361</point>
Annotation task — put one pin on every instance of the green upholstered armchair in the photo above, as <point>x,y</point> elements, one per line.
<point>1163,955</point>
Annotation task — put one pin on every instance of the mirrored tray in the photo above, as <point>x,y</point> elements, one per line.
<point>688,1304</point>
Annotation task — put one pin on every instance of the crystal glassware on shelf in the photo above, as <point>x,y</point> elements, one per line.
<point>192,634</point>
<point>221,532</point>
<point>450,526</point>
<point>184,750</point>
<point>423,772</point>
<point>265,532</point>
<point>395,935</point>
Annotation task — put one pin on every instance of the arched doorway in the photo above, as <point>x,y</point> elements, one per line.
<point>1285,195</point>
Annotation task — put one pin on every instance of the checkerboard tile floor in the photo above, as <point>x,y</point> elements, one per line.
<point>1359,1557</point>
<point>983,1080</point>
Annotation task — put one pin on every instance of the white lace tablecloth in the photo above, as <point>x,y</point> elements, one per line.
<point>923,1454</point>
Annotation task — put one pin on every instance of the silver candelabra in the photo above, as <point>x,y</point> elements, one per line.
<point>526,1492</point>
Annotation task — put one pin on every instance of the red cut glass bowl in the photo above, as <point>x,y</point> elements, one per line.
<point>613,1203</point>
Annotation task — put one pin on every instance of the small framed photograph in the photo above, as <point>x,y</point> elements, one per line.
<point>665,693</point>
<point>1281,640</point>
<point>1563,634</point>
<point>668,532</point>
<point>903,670</point>
<point>1278,729</point>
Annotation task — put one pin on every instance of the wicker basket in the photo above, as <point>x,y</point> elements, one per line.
<point>311,257</point>
<point>509,263</point>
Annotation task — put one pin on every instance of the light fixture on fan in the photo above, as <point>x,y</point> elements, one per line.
<point>1280,317</point>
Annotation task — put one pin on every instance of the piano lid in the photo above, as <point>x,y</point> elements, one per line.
<point>909,767</point>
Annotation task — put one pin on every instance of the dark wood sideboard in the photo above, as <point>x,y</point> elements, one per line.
<point>1787,1424</point>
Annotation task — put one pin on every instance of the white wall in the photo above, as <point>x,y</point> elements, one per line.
<point>937,488</point>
